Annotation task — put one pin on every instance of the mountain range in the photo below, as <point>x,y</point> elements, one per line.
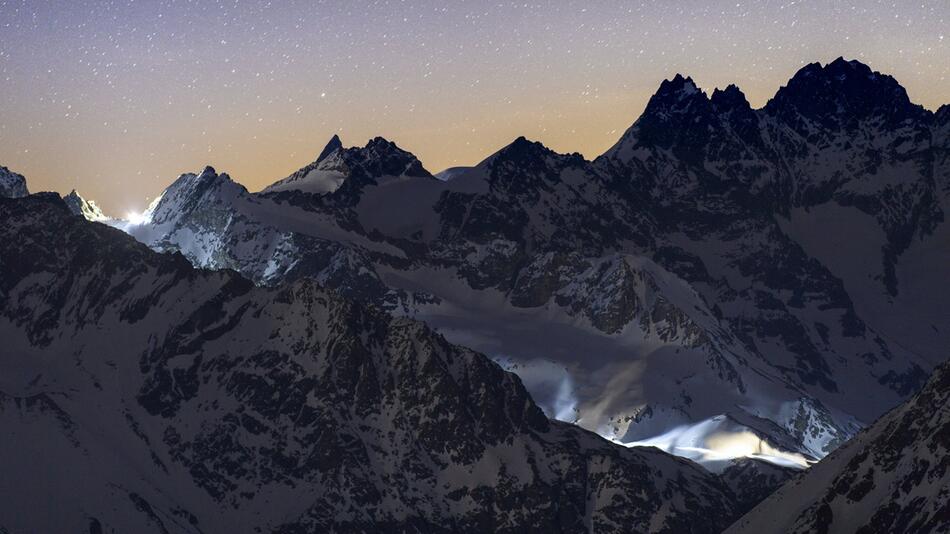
<point>721,270</point>
<point>745,288</point>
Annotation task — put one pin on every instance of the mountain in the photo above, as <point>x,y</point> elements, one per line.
<point>893,477</point>
<point>699,284</point>
<point>86,209</point>
<point>342,173</point>
<point>139,394</point>
<point>12,185</point>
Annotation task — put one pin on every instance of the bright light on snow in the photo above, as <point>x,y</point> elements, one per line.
<point>135,218</point>
<point>706,442</point>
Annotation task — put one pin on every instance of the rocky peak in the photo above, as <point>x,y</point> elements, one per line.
<point>841,94</point>
<point>191,191</point>
<point>521,149</point>
<point>729,100</point>
<point>676,96</point>
<point>12,185</point>
<point>678,117</point>
<point>523,165</point>
<point>332,146</point>
<point>83,208</point>
<point>381,157</point>
<point>339,174</point>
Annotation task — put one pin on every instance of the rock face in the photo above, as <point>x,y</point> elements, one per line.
<point>12,185</point>
<point>138,394</point>
<point>892,478</point>
<point>86,209</point>
<point>701,275</point>
<point>752,481</point>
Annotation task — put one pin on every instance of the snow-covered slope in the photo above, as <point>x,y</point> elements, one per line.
<point>138,394</point>
<point>12,185</point>
<point>695,283</point>
<point>892,478</point>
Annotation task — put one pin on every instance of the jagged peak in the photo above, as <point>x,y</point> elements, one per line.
<point>12,184</point>
<point>336,165</point>
<point>845,88</point>
<point>187,193</point>
<point>380,146</point>
<point>677,89</point>
<point>845,66</point>
<point>675,97</point>
<point>332,146</point>
<point>87,209</point>
<point>382,157</point>
<point>729,99</point>
<point>208,172</point>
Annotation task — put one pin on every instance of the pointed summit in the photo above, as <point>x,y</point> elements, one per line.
<point>676,96</point>
<point>86,209</point>
<point>332,146</point>
<point>12,185</point>
<point>192,191</point>
<point>677,117</point>
<point>379,158</point>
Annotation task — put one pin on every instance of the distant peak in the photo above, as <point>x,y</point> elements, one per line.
<point>381,157</point>
<point>208,171</point>
<point>842,93</point>
<point>523,151</point>
<point>82,207</point>
<point>332,146</point>
<point>676,95</point>
<point>853,65</point>
<point>731,95</point>
<point>381,143</point>
<point>12,185</point>
<point>679,85</point>
<point>523,147</point>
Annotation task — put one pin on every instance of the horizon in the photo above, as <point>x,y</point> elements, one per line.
<point>346,144</point>
<point>117,101</point>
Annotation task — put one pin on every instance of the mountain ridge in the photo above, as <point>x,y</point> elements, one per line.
<point>697,243</point>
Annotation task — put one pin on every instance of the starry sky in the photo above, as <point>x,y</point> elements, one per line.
<point>117,98</point>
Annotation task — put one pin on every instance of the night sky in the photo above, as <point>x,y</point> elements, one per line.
<point>118,98</point>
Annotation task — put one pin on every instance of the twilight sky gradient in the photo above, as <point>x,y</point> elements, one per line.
<point>116,98</point>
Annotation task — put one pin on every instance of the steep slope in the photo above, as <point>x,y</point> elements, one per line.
<point>87,209</point>
<point>839,151</point>
<point>892,478</point>
<point>139,394</point>
<point>752,480</point>
<point>12,185</point>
